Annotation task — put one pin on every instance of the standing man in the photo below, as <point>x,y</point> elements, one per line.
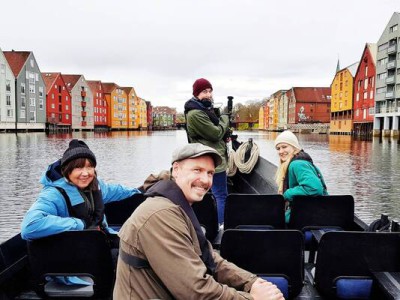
<point>207,128</point>
<point>163,251</point>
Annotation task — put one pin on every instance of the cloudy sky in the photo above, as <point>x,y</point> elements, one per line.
<point>247,48</point>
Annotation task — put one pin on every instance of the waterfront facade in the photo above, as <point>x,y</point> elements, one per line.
<point>283,110</point>
<point>387,96</point>
<point>7,95</point>
<point>143,123</point>
<point>364,92</point>
<point>30,90</point>
<point>342,100</point>
<point>58,102</point>
<point>118,106</point>
<point>81,102</point>
<point>149,115</point>
<point>99,104</point>
<point>164,117</point>
<point>133,111</point>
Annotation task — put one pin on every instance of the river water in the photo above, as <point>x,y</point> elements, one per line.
<point>369,170</point>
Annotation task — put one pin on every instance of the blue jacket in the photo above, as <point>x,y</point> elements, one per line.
<point>49,215</point>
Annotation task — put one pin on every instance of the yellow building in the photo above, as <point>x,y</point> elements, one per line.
<point>261,121</point>
<point>342,100</point>
<point>133,115</point>
<point>117,101</point>
<point>273,108</point>
<point>142,113</point>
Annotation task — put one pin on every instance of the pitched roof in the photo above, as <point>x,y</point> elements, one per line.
<point>311,94</point>
<point>49,79</point>
<point>94,84</point>
<point>70,80</point>
<point>109,87</point>
<point>372,50</point>
<point>164,109</point>
<point>16,60</point>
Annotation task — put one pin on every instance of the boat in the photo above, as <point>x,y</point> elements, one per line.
<point>321,259</point>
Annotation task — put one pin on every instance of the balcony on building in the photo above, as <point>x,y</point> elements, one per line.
<point>83,103</point>
<point>390,80</point>
<point>83,113</point>
<point>83,94</point>
<point>391,64</point>
<point>389,94</point>
<point>84,123</point>
<point>392,48</point>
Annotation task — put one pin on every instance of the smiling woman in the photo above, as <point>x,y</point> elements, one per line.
<point>72,198</point>
<point>296,175</point>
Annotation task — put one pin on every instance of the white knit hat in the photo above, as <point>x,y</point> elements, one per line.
<point>289,138</point>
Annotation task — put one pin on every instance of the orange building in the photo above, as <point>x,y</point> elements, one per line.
<point>117,102</point>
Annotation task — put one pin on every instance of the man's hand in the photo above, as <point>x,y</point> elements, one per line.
<point>264,290</point>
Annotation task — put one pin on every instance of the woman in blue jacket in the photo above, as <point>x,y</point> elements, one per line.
<point>72,197</point>
<point>296,175</point>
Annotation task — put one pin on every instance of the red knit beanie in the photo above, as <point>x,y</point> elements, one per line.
<point>200,85</point>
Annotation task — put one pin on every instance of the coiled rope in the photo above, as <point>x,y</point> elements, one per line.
<point>236,159</point>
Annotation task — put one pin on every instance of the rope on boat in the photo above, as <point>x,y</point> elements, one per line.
<point>236,160</point>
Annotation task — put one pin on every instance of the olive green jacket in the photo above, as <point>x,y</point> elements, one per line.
<point>201,130</point>
<point>161,233</point>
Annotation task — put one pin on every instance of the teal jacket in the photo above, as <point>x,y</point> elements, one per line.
<point>304,179</point>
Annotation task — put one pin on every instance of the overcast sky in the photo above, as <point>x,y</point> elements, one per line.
<point>248,49</point>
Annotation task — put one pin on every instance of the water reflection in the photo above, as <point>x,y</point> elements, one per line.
<point>366,169</point>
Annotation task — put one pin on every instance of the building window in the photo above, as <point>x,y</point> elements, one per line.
<point>32,116</point>
<point>66,107</point>
<point>23,102</point>
<point>67,117</point>
<point>10,113</point>
<point>22,113</point>
<point>393,28</point>
<point>22,88</point>
<point>365,95</point>
<point>53,106</point>
<point>8,86</point>
<point>32,102</point>
<point>371,95</point>
<point>41,104</point>
<point>31,88</point>
<point>383,47</point>
<point>8,100</point>
<point>2,68</point>
<point>357,96</point>
<point>382,76</point>
<point>40,91</point>
<point>365,84</point>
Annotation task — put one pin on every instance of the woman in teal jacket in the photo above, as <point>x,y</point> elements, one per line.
<point>296,175</point>
<point>73,197</point>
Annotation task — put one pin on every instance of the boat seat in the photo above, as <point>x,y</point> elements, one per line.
<point>206,212</point>
<point>347,260</point>
<point>277,255</point>
<point>117,212</point>
<point>255,210</point>
<point>83,253</point>
<point>323,213</point>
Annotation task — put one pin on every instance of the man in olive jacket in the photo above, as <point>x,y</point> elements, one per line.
<point>163,251</point>
<point>206,127</point>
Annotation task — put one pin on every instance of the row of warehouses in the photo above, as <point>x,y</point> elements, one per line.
<point>363,98</point>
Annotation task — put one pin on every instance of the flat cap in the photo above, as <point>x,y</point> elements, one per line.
<point>196,150</point>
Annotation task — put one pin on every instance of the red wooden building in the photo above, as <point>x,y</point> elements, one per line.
<point>309,105</point>
<point>364,92</point>
<point>58,102</point>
